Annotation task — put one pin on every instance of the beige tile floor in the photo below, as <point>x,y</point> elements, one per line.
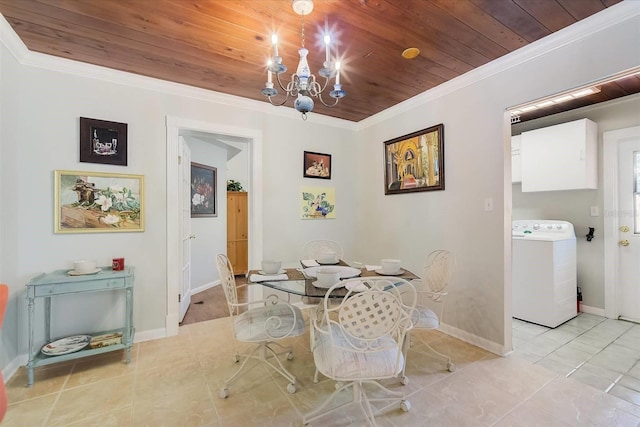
<point>600,352</point>
<point>175,382</point>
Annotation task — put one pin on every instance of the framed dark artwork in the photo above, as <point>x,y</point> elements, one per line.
<point>415,162</point>
<point>95,202</point>
<point>316,165</point>
<point>204,199</point>
<point>103,142</point>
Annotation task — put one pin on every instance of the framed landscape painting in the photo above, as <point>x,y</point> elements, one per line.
<point>415,162</point>
<point>87,202</point>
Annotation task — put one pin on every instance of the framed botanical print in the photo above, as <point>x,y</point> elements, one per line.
<point>97,202</point>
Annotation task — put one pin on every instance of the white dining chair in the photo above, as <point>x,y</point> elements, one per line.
<point>357,339</point>
<point>431,293</point>
<point>314,249</point>
<point>262,322</point>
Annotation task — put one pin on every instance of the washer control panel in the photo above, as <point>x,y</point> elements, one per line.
<point>542,229</point>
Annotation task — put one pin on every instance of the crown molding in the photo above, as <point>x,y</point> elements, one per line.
<point>68,66</point>
<point>613,15</point>
<point>618,13</point>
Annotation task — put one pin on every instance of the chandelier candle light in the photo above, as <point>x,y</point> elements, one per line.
<point>303,84</point>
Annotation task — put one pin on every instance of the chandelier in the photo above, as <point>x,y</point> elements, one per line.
<point>303,84</point>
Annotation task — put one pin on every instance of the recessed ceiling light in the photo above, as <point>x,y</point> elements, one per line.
<point>584,92</point>
<point>410,53</point>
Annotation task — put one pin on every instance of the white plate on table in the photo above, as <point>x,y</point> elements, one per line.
<point>264,273</point>
<point>66,345</point>
<point>397,273</point>
<point>76,273</point>
<point>317,284</point>
<point>356,286</point>
<point>345,272</point>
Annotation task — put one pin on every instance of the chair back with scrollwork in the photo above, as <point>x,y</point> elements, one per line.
<point>359,340</point>
<point>438,271</point>
<point>228,282</point>
<point>314,249</point>
<point>371,318</point>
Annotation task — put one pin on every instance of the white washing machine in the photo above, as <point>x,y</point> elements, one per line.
<point>544,271</point>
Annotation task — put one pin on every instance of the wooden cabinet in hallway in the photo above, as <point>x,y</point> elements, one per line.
<point>238,231</point>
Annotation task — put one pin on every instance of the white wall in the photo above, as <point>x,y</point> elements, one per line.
<point>574,206</point>
<point>238,166</point>
<point>284,232</point>
<point>477,166</point>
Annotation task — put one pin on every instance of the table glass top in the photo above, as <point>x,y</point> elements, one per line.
<point>299,284</point>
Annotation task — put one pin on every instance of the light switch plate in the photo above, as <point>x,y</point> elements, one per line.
<point>595,211</point>
<point>488,204</point>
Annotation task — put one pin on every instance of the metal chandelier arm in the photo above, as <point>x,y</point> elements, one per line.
<point>278,105</point>
<point>335,102</point>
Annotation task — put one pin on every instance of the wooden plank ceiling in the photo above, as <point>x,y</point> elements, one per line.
<point>223,45</point>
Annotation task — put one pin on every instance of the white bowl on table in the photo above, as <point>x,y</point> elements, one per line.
<point>84,266</point>
<point>390,266</point>
<point>327,277</point>
<point>271,267</point>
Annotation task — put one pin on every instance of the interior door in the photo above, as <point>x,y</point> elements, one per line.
<point>628,284</point>
<point>185,221</point>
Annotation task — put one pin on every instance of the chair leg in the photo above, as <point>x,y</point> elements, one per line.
<point>360,397</point>
<point>263,352</point>
<point>280,368</point>
<point>451,367</point>
<point>244,362</point>
<point>319,411</point>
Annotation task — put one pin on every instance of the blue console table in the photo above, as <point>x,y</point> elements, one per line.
<point>59,283</point>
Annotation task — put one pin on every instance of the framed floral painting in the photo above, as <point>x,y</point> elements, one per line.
<point>94,202</point>
<point>204,200</point>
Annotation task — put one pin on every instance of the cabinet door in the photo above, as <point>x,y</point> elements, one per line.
<point>516,165</point>
<point>237,221</point>
<point>237,252</point>
<point>238,231</point>
<point>560,157</point>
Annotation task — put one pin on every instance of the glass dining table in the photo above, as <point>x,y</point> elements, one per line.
<point>300,281</point>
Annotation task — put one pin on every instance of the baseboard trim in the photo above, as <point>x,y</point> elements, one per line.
<point>149,335</point>
<point>592,310</point>
<point>473,339</point>
<point>13,366</point>
<point>205,287</point>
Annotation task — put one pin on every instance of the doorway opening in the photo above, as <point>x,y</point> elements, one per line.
<point>177,128</point>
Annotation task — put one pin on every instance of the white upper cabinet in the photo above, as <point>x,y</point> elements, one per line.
<point>516,165</point>
<point>560,157</point>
